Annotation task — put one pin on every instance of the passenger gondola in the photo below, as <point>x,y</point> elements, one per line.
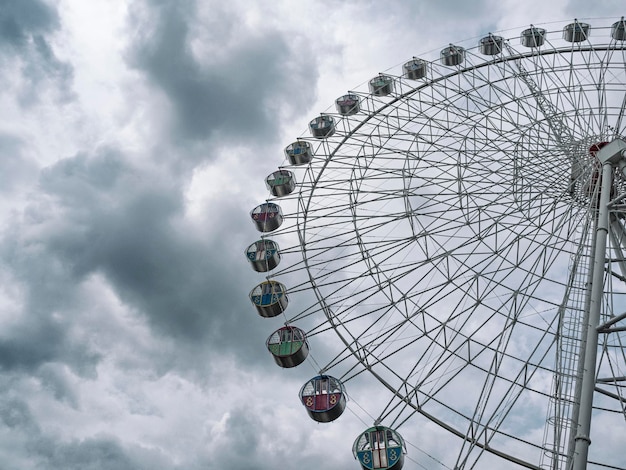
<point>269,298</point>
<point>324,398</point>
<point>299,152</point>
<point>281,182</point>
<point>322,126</point>
<point>382,85</point>
<point>379,447</point>
<point>263,255</point>
<point>288,346</point>
<point>347,105</point>
<point>267,217</point>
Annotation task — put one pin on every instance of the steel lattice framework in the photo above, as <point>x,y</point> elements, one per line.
<point>448,231</point>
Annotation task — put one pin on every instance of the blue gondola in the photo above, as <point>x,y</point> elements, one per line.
<point>269,298</point>
<point>299,152</point>
<point>322,127</point>
<point>263,255</point>
<point>379,447</point>
<point>288,346</point>
<point>267,217</point>
<point>324,398</point>
<point>281,182</point>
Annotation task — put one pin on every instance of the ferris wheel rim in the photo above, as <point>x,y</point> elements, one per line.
<point>316,179</point>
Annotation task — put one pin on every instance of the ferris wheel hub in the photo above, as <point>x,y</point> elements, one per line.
<point>612,152</point>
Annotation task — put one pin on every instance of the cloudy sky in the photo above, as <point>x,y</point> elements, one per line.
<point>135,136</point>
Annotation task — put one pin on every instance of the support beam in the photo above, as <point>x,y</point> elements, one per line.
<point>612,321</point>
<point>590,344</point>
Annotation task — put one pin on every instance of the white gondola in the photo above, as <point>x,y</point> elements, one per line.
<point>415,69</point>
<point>576,32</point>
<point>618,30</point>
<point>452,55</point>
<point>281,182</point>
<point>491,45</point>
<point>299,152</point>
<point>533,37</point>
<point>347,105</point>
<point>381,85</point>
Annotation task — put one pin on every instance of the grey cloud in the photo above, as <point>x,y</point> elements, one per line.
<point>124,224</point>
<point>38,340</point>
<point>263,446</point>
<point>53,377</point>
<point>582,9</point>
<point>25,27</point>
<point>244,425</point>
<point>15,166</point>
<point>235,94</point>
<point>48,451</point>
<point>104,453</point>
<point>246,432</point>
<point>20,19</point>
<point>47,66</point>
<point>15,414</point>
<point>99,214</point>
<point>43,332</point>
<point>100,453</point>
<point>416,17</point>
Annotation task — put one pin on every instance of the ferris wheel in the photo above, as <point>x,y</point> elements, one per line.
<point>461,227</point>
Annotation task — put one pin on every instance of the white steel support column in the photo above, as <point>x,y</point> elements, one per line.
<point>590,345</point>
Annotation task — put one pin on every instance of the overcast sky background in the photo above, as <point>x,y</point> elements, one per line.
<point>135,137</point>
